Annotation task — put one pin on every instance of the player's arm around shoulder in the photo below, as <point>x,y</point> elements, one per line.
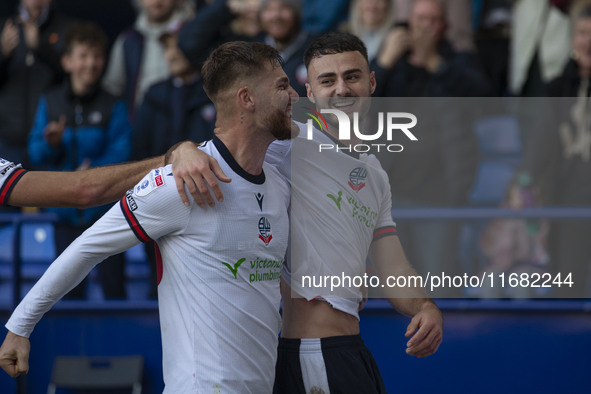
<point>194,170</point>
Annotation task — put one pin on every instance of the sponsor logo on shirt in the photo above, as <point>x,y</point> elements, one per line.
<point>363,213</point>
<point>259,198</point>
<point>357,178</point>
<point>265,230</point>
<point>261,269</point>
<point>234,268</point>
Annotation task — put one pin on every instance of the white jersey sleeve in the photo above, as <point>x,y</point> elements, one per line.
<point>108,236</point>
<point>10,174</point>
<point>151,210</point>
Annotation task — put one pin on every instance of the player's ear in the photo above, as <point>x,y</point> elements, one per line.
<point>309,93</point>
<point>372,81</point>
<point>245,99</point>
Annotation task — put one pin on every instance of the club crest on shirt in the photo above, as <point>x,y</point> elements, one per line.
<point>150,182</point>
<point>265,230</point>
<point>357,178</point>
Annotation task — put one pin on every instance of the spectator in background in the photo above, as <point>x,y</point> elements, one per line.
<point>77,126</point>
<point>172,111</point>
<point>31,42</point>
<point>514,245</point>
<point>137,57</point>
<point>321,16</point>
<point>441,168</point>
<point>370,20</point>
<point>458,16</point>
<point>418,62</point>
<point>539,47</point>
<point>281,21</point>
<point>492,20</point>
<point>560,154</point>
<point>217,23</point>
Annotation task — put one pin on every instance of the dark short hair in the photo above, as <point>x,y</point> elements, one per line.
<point>234,60</point>
<point>332,43</point>
<point>88,33</point>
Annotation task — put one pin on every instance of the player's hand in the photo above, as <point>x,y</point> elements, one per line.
<point>54,131</point>
<point>196,169</point>
<point>9,38</point>
<point>14,354</point>
<point>427,327</point>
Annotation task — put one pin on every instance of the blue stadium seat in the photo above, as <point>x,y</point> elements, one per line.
<point>500,144</point>
<point>6,245</point>
<point>6,254</point>
<point>499,136</point>
<point>492,181</point>
<point>137,272</point>
<point>501,150</point>
<point>37,248</point>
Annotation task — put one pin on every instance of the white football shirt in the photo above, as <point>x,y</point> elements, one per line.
<point>340,204</point>
<point>218,292</point>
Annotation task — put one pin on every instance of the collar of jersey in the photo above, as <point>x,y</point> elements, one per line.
<point>256,179</point>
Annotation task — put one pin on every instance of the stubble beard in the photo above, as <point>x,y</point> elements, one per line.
<point>280,125</point>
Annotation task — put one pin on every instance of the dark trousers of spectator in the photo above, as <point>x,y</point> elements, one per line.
<point>111,271</point>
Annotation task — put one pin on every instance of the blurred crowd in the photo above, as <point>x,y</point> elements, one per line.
<point>73,98</point>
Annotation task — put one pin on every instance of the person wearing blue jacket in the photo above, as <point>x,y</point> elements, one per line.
<point>77,126</point>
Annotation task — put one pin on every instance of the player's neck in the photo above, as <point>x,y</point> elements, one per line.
<point>246,147</point>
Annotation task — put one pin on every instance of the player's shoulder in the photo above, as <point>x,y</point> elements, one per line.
<point>208,147</point>
<point>272,173</point>
<point>158,181</point>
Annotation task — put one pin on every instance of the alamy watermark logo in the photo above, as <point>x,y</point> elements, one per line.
<point>388,122</point>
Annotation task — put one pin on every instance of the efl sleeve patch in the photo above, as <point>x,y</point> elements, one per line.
<point>151,182</point>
